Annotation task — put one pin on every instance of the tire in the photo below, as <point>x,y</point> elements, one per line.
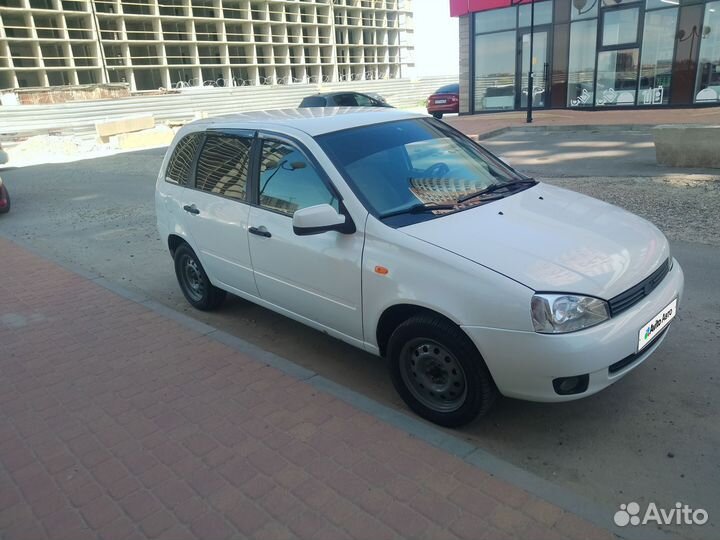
<point>5,209</point>
<point>453,386</point>
<point>194,282</point>
<point>438,115</point>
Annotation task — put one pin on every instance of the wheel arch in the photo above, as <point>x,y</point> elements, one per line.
<point>175,241</point>
<point>395,315</point>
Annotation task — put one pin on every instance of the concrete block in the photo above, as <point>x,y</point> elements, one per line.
<point>107,129</point>
<point>687,146</point>
<point>148,138</point>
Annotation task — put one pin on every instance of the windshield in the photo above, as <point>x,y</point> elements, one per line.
<point>397,166</point>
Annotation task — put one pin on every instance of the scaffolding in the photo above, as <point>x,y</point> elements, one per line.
<point>153,44</point>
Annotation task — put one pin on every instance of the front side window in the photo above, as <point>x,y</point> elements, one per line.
<point>223,166</point>
<point>346,100</point>
<point>395,166</point>
<point>289,182</point>
<point>364,101</point>
<point>180,164</point>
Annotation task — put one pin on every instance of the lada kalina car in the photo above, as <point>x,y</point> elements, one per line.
<point>397,234</point>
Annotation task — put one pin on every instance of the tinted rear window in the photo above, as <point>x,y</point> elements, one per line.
<point>313,101</point>
<point>178,170</point>
<point>448,89</point>
<point>222,167</point>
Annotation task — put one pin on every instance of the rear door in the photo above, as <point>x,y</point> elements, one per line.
<point>217,210</point>
<point>315,277</point>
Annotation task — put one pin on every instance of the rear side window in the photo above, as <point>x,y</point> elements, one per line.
<point>178,170</point>
<point>346,100</point>
<point>223,166</point>
<point>449,89</point>
<point>313,101</point>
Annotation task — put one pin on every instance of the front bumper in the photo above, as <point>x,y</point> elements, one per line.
<point>524,364</point>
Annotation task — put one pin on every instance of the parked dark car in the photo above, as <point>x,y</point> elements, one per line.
<point>445,100</point>
<point>4,196</point>
<point>344,99</point>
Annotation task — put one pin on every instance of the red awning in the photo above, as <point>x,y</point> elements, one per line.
<point>463,7</point>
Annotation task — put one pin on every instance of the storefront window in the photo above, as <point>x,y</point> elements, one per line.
<point>620,26</point>
<point>617,77</point>
<point>583,9</point>
<point>659,4</point>
<point>707,89</point>
<point>613,3</point>
<point>657,57</point>
<point>581,71</point>
<point>543,14</point>
<point>496,19</point>
<point>495,71</point>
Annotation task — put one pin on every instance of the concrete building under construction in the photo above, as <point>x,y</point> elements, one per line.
<point>151,44</point>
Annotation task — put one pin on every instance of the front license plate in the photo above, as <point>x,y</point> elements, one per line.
<point>654,326</point>
<point>440,101</point>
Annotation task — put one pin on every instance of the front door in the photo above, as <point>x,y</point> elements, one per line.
<point>316,278</point>
<point>541,69</point>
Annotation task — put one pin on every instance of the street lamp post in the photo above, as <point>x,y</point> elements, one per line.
<point>531,92</point>
<point>531,86</point>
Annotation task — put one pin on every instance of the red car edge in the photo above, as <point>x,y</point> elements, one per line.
<point>446,99</point>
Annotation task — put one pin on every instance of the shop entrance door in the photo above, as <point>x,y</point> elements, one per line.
<point>541,69</point>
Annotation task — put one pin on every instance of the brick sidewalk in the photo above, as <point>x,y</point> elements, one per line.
<point>117,422</point>
<point>480,124</point>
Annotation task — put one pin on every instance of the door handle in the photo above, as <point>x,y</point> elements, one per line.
<point>260,231</point>
<point>191,209</point>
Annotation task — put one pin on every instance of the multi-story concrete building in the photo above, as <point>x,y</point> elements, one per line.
<point>164,43</point>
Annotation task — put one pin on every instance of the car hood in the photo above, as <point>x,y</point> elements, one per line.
<point>553,239</point>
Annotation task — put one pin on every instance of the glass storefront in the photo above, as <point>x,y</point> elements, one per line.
<point>656,58</point>
<point>619,53</point>
<point>707,89</point>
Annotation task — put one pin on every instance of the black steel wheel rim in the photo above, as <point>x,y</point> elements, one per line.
<point>192,279</point>
<point>433,375</point>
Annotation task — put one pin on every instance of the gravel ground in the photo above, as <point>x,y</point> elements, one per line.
<point>684,207</point>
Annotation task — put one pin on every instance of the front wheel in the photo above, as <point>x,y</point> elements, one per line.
<point>194,282</point>
<point>438,372</point>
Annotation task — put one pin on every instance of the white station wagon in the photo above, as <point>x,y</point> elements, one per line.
<point>397,234</point>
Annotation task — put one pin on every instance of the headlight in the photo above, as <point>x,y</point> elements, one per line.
<point>560,313</point>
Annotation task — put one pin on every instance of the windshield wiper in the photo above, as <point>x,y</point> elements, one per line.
<point>419,209</point>
<point>497,187</point>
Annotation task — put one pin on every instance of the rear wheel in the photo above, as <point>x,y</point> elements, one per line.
<point>4,199</point>
<point>438,115</point>
<point>194,282</point>
<point>438,372</point>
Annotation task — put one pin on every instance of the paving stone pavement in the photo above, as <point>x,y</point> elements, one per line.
<point>117,422</point>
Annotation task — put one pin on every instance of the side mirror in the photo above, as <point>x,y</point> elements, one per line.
<point>319,219</point>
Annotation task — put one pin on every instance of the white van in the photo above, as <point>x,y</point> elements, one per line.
<point>397,234</point>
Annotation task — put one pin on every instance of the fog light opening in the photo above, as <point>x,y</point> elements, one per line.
<point>567,386</point>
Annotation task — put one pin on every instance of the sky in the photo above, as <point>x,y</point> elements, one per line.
<point>436,38</point>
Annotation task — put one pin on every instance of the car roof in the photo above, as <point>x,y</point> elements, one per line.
<point>313,121</point>
<point>337,93</point>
